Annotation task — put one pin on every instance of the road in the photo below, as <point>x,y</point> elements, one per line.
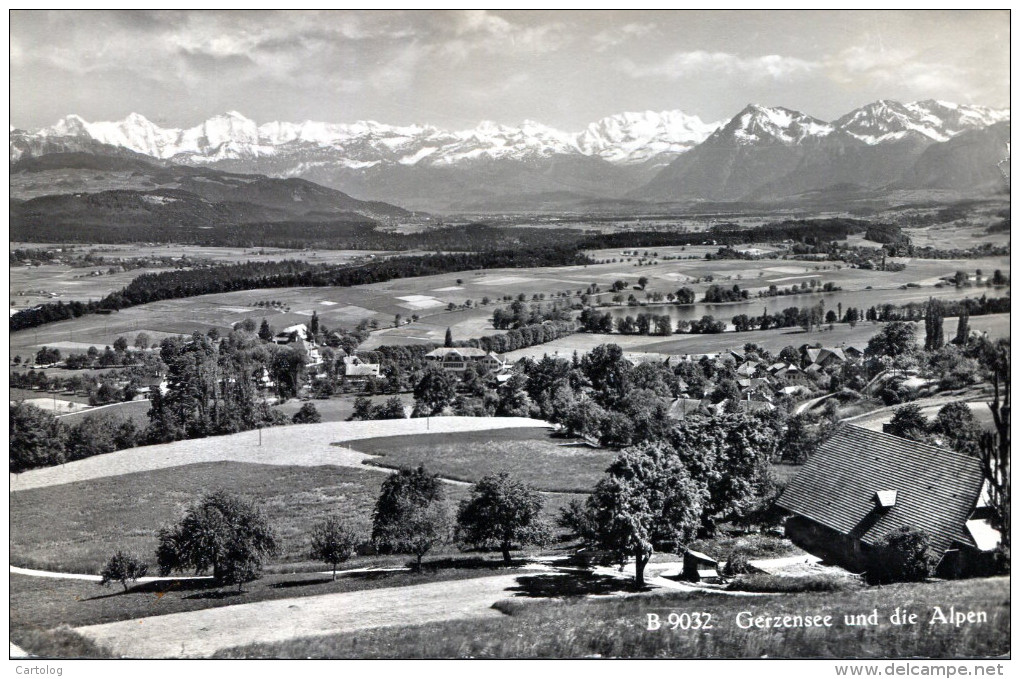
<point>202,633</point>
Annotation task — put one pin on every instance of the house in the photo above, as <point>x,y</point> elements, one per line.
<point>853,353</point>
<point>457,359</point>
<point>862,484</point>
<point>299,336</point>
<point>355,368</point>
<point>682,408</point>
<point>825,357</point>
<point>748,368</point>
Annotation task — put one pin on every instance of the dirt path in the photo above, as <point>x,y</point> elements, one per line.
<point>202,633</point>
<point>302,444</point>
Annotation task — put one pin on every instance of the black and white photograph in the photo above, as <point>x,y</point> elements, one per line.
<point>509,334</point>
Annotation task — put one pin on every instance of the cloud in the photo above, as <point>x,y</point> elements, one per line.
<point>897,67</point>
<point>611,37</point>
<point>681,65</point>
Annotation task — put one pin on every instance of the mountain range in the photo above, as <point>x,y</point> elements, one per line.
<point>762,154</point>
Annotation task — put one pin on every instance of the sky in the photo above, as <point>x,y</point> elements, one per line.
<point>454,69</point>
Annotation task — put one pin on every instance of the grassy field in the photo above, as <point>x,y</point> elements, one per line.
<point>996,325</point>
<point>338,408</point>
<point>617,628</point>
<point>532,455</point>
<point>428,297</point>
<point>87,521</point>
<point>39,604</point>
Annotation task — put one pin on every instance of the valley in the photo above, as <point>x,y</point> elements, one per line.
<point>362,368</point>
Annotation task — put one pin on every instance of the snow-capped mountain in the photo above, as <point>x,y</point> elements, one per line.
<point>762,153</point>
<point>629,138</point>
<point>624,138</point>
<point>767,125</point>
<point>767,153</point>
<point>886,120</point>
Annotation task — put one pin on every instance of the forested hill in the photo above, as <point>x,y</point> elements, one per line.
<point>117,198</point>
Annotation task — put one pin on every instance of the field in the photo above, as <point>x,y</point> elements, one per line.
<point>996,325</point>
<point>429,296</point>
<point>53,603</point>
<point>532,455</point>
<point>617,628</point>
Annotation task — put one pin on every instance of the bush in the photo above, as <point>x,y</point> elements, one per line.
<point>123,568</point>
<point>308,414</point>
<point>903,555</point>
<point>736,564</point>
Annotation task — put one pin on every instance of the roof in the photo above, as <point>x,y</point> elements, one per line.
<point>682,407</point>
<point>443,352</point>
<point>936,489</point>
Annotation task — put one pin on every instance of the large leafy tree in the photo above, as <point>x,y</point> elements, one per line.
<point>894,339</point>
<point>956,423</point>
<point>222,532</point>
<point>35,438</point>
<point>730,455</point>
<point>410,515</point>
<point>501,512</point>
<point>608,372</point>
<point>908,422</point>
<point>647,502</point>
<point>435,390</point>
<point>994,448</point>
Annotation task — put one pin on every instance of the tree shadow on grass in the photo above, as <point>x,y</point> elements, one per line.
<point>287,584</point>
<point>161,587</point>
<point>218,594</point>
<point>569,583</point>
<point>470,563</point>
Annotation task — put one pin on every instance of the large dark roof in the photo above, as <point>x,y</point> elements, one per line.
<point>936,488</point>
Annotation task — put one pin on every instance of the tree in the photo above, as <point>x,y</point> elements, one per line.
<point>995,447</point>
<point>313,324</point>
<point>141,341</point>
<point>902,555</point>
<point>685,296</point>
<point>647,501</point>
<point>307,414</point>
<point>501,512</point>
<point>957,424</point>
<point>963,327</point>
<point>392,409</point>
<point>46,356</point>
<point>642,282</point>
<point>35,438</point>
<point>333,541</point>
<point>908,422</point>
<point>435,390</point>
<point>410,515</point>
<point>935,314</point>
<point>248,325</point>
<point>894,339</point>
<point>123,568</point>
<point>223,532</point>
<point>729,455</point>
<point>448,340</point>
<point>120,345</point>
<point>362,409</point>
<point>265,331</point>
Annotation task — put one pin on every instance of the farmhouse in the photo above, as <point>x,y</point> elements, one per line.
<point>355,368</point>
<point>457,359</point>
<point>862,484</point>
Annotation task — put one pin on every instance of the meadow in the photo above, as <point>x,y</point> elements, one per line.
<point>429,297</point>
<point>579,627</point>
<point>533,455</point>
